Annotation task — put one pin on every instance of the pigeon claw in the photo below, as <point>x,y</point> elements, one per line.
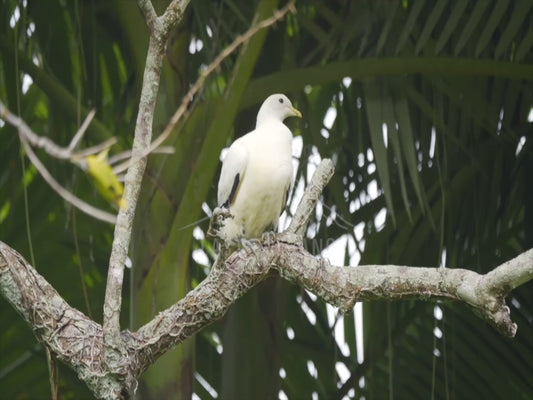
<point>218,220</point>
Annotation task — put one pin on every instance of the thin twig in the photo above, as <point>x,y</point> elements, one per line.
<point>126,155</point>
<point>62,153</point>
<point>61,191</point>
<point>94,149</point>
<point>83,128</point>
<point>52,373</point>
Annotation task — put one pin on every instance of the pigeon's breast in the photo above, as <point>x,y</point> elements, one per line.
<point>268,175</point>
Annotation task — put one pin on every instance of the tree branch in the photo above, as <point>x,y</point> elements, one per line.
<point>27,137</point>
<point>132,187</point>
<point>80,342</point>
<point>61,191</point>
<point>160,29</point>
<point>42,142</point>
<point>312,193</point>
<point>344,286</point>
<point>150,17</point>
<point>173,14</point>
<point>339,286</point>
<point>72,336</point>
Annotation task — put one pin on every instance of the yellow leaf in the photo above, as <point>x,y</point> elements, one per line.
<point>105,179</point>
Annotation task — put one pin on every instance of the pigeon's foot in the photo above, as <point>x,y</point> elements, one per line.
<point>218,221</point>
<point>269,237</point>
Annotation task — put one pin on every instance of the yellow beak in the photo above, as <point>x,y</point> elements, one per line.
<point>296,113</point>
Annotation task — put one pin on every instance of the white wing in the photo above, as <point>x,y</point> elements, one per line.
<point>233,169</point>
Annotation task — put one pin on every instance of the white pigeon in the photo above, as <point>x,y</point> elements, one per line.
<point>257,173</point>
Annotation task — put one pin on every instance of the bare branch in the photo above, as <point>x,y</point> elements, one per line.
<point>27,136</point>
<point>72,336</point>
<point>93,149</point>
<point>79,342</point>
<point>340,286</point>
<point>126,155</point>
<point>305,209</point>
<point>344,286</point>
<point>122,236</point>
<point>208,302</point>
<point>511,274</point>
<point>62,153</point>
<point>150,17</point>
<point>83,128</point>
<point>64,193</point>
<point>141,148</point>
<point>172,15</point>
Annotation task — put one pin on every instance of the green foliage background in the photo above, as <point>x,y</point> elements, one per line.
<point>452,82</point>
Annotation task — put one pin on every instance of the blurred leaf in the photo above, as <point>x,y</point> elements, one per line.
<point>375,123</point>
<point>491,25</point>
<point>431,22</point>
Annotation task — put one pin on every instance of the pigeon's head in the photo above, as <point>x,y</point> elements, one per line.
<point>277,106</point>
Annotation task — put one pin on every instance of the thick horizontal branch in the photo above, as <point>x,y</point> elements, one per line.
<point>339,286</point>
<point>208,302</point>
<point>79,341</point>
<point>344,286</point>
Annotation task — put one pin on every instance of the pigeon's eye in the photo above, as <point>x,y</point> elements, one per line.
<point>281,100</point>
